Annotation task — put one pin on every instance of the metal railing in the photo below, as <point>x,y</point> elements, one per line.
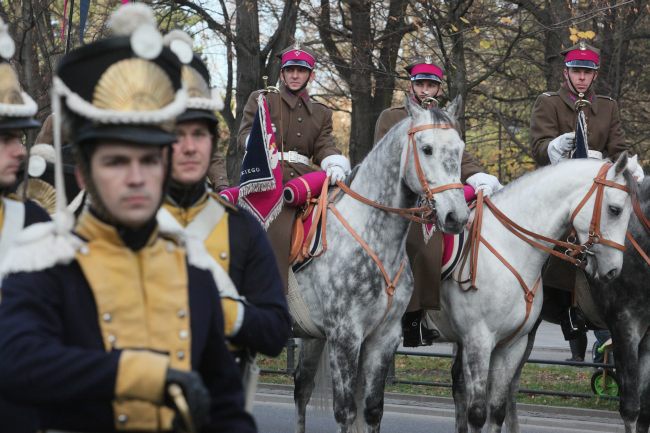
<point>392,378</point>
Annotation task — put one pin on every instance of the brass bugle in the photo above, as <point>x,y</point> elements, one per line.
<point>267,88</point>
<point>428,102</point>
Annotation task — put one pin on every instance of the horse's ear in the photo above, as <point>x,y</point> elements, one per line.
<point>412,107</point>
<point>455,107</point>
<point>622,163</point>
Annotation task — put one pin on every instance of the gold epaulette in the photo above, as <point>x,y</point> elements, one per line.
<point>222,201</point>
<point>14,196</point>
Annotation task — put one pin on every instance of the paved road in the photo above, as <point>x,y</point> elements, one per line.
<point>549,345</point>
<point>274,413</point>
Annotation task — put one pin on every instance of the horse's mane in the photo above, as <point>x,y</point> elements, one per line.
<point>643,192</point>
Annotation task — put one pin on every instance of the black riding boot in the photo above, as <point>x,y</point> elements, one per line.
<point>414,331</point>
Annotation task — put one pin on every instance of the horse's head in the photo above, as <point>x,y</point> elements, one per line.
<point>431,161</point>
<point>601,221</point>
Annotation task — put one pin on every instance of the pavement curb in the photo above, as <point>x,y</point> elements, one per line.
<point>526,411</point>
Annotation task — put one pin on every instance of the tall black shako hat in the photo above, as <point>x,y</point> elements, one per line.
<point>203,101</point>
<point>126,87</point>
<point>17,108</point>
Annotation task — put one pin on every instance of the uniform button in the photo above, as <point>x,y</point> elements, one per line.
<point>292,174</point>
<point>180,355</point>
<point>223,255</point>
<point>106,317</point>
<point>298,134</point>
<point>84,250</point>
<point>112,339</point>
<point>299,104</point>
<point>170,247</point>
<point>122,418</point>
<point>183,334</point>
<point>181,313</point>
<point>300,119</point>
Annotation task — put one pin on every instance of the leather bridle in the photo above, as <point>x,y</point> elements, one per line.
<point>423,214</point>
<point>574,253</point>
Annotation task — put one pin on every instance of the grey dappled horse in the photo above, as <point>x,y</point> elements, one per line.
<point>624,305</point>
<point>485,322</point>
<point>345,290</point>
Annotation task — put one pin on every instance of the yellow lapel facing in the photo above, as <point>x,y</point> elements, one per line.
<point>142,303</point>
<point>186,216</point>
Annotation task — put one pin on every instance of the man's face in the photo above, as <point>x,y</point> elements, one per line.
<point>12,152</point>
<point>295,77</point>
<point>425,89</point>
<point>129,180</point>
<point>580,77</point>
<point>192,152</point>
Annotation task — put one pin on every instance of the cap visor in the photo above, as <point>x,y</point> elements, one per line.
<point>192,114</point>
<point>301,63</point>
<point>142,135</point>
<point>431,77</point>
<point>581,64</point>
<point>18,123</point>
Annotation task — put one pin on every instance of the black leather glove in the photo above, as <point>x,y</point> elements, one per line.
<point>196,395</point>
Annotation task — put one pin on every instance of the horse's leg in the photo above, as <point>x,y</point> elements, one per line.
<point>643,423</point>
<point>310,354</point>
<point>477,350</point>
<point>376,357</point>
<point>458,391</point>
<point>626,355</point>
<point>512,420</point>
<point>506,361</point>
<point>345,348</point>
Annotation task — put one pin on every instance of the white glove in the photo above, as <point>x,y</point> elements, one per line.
<point>337,167</point>
<point>484,182</point>
<point>559,148</point>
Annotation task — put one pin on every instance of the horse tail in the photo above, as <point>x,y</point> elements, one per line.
<point>322,395</point>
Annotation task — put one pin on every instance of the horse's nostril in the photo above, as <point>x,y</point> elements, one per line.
<point>451,218</point>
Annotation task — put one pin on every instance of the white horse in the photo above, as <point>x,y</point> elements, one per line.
<point>489,322</point>
<point>345,290</point>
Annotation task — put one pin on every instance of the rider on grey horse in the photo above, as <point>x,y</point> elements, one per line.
<point>426,257</point>
<point>553,139</point>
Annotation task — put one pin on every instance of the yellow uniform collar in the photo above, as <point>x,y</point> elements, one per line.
<point>184,216</point>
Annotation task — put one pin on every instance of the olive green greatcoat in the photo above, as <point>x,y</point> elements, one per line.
<point>301,125</point>
<point>554,115</point>
<point>425,258</point>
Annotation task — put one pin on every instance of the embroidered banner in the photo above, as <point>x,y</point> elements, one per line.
<point>260,184</point>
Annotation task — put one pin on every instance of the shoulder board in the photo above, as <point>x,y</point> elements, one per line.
<point>399,107</point>
<point>222,201</point>
<point>550,94</point>
<point>605,97</point>
<point>42,246</point>
<point>315,102</point>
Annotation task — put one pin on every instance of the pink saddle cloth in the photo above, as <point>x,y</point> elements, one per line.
<point>452,245</point>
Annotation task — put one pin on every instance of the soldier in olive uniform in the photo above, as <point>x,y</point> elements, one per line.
<point>303,131</point>
<point>552,139</point>
<point>426,258</point>
<point>103,321</point>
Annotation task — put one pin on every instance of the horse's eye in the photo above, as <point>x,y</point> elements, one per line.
<point>614,210</point>
<point>428,150</point>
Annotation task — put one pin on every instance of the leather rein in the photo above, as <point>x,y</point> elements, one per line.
<point>574,253</point>
<point>423,214</point>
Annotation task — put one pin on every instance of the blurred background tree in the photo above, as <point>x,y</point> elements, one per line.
<point>497,54</point>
